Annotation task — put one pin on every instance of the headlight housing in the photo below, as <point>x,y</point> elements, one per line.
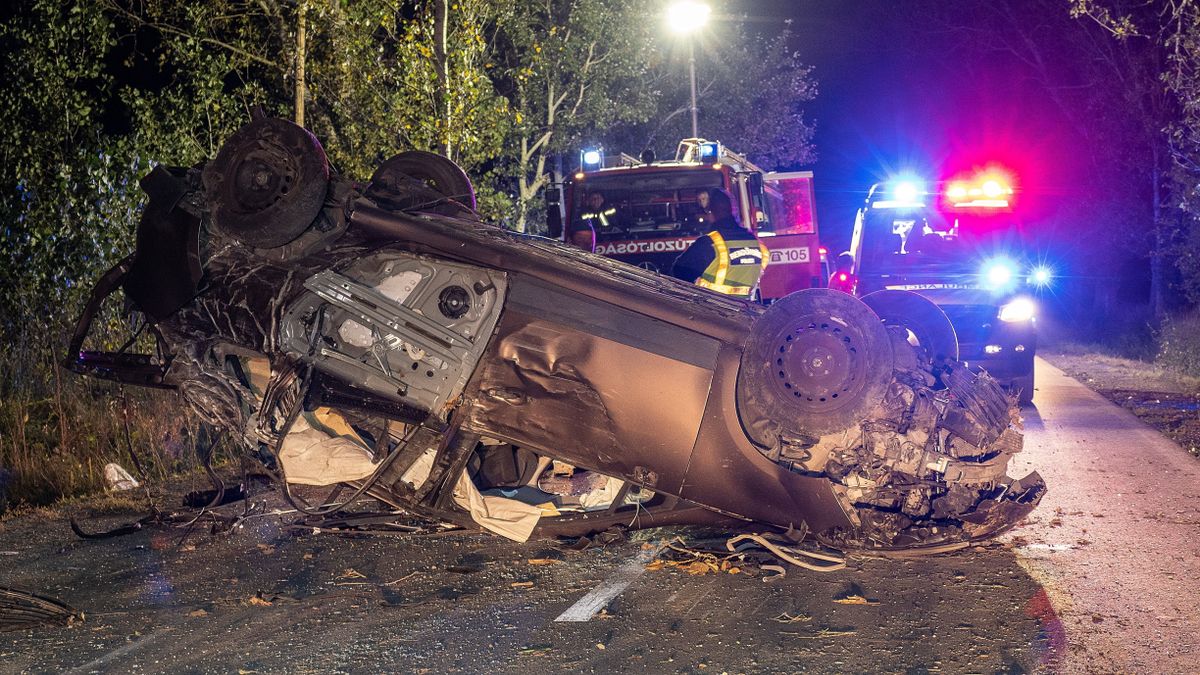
<point>1020,309</point>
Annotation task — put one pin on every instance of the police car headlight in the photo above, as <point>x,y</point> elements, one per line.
<point>998,273</point>
<point>1021,309</point>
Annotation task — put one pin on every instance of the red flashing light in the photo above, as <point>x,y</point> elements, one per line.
<point>992,189</point>
<point>841,276</point>
<point>823,251</point>
<point>988,189</point>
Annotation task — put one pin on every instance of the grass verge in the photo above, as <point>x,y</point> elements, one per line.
<point>1159,395</point>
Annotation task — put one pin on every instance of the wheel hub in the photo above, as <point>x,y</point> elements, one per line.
<point>817,363</point>
<point>261,179</point>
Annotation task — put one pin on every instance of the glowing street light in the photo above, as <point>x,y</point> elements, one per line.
<point>685,17</point>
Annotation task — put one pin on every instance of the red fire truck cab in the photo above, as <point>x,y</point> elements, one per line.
<point>646,213</point>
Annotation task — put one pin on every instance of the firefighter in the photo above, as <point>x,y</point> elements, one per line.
<point>594,219</point>
<point>600,217</point>
<point>729,259</point>
<point>843,278</point>
<point>702,203</point>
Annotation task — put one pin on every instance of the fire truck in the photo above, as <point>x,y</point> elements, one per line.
<point>647,212</point>
<point>959,244</point>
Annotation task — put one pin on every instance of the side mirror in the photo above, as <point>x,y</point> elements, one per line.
<point>554,221</point>
<point>756,184</point>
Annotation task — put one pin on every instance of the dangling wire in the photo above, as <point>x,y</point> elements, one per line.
<point>136,334</point>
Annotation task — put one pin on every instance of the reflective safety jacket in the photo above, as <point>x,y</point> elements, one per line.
<point>600,219</point>
<point>737,265</point>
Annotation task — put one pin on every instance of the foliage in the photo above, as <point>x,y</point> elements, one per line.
<point>56,445</point>
<point>1179,344</point>
<point>565,67</point>
<point>391,88</point>
<point>751,92</point>
<point>97,92</point>
<point>62,196</point>
<point>1169,34</point>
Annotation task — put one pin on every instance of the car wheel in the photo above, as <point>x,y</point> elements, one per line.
<point>267,184</point>
<point>925,320</point>
<point>407,177</point>
<point>817,361</point>
<point>1023,387</point>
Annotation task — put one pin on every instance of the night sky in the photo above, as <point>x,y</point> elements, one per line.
<point>899,93</point>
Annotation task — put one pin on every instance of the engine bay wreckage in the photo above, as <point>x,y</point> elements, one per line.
<point>380,338</point>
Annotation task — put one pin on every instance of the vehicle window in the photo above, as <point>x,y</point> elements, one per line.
<point>898,240</point>
<point>765,208</point>
<point>789,208</point>
<point>903,238</point>
<point>626,205</point>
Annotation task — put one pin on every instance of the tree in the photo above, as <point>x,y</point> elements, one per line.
<point>565,67</point>
<point>417,80</point>
<point>1101,107</point>
<point>66,199</point>
<point>752,92</point>
<point>1151,43</point>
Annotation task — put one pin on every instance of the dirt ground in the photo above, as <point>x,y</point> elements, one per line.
<point>1166,401</point>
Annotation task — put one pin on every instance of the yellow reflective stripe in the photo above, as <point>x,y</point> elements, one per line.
<point>722,258</point>
<point>602,216</point>
<point>722,288</point>
<point>766,255</point>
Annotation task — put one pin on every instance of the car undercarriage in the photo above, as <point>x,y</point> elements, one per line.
<point>378,337</point>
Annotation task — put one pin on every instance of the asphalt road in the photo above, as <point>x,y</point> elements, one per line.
<point>1102,578</point>
<point>1116,541</point>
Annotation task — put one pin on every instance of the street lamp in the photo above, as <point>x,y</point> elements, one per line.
<point>685,17</point>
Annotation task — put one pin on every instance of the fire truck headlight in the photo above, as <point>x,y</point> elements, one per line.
<point>1021,309</point>
<point>998,273</point>
<point>1040,276</point>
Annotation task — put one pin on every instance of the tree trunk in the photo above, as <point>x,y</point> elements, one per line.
<point>300,52</point>
<point>442,63</point>
<point>1157,295</point>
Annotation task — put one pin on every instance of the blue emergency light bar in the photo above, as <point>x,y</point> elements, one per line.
<point>710,150</point>
<point>901,193</point>
<point>592,159</point>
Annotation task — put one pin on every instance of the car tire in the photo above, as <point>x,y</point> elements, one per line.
<point>267,183</point>
<point>407,180</point>
<point>1023,387</point>
<point>817,361</point>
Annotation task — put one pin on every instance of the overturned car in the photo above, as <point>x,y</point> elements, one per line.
<point>381,338</point>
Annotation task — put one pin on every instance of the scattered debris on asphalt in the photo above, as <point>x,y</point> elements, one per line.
<point>20,610</point>
<point>118,479</point>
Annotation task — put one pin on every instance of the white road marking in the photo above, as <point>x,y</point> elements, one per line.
<point>599,597</point>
